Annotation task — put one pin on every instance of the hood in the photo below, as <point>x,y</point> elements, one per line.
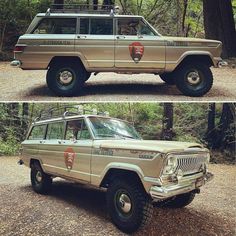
<point>150,145</point>
<point>184,41</point>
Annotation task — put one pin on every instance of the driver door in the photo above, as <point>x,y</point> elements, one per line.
<point>77,150</point>
<point>138,46</point>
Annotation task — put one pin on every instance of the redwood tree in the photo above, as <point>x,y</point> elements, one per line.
<point>61,2</point>
<point>167,122</point>
<point>219,24</point>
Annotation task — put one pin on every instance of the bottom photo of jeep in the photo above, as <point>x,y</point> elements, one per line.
<point>94,149</point>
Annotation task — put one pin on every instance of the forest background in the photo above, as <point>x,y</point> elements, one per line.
<point>210,124</point>
<point>214,19</point>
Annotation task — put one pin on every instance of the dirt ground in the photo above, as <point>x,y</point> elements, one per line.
<point>19,85</point>
<point>71,209</point>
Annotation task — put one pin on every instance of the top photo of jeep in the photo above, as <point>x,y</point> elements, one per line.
<point>71,44</point>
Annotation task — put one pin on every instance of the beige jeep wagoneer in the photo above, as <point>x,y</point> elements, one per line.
<point>108,153</point>
<point>71,46</point>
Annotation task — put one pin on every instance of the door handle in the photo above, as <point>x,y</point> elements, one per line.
<point>120,37</point>
<point>81,37</point>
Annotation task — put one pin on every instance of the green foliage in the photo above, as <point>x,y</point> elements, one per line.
<point>11,145</point>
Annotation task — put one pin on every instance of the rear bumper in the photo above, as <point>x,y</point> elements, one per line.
<point>184,186</point>
<point>222,64</point>
<point>16,63</point>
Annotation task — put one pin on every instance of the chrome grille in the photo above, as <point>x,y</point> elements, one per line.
<point>190,163</point>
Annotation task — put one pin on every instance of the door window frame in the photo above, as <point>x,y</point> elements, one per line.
<point>84,122</point>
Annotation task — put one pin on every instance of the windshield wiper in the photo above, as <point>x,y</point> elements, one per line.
<point>125,136</point>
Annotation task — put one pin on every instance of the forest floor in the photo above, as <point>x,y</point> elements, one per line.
<point>72,209</point>
<point>19,85</point>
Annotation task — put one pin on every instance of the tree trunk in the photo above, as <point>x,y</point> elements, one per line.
<point>211,132</point>
<point>184,31</point>
<point>95,4</point>
<point>3,36</point>
<point>25,117</point>
<point>107,4</point>
<point>219,24</point>
<point>59,3</point>
<point>167,122</point>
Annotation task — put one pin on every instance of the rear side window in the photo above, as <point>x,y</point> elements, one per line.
<point>102,26</point>
<point>37,132</point>
<point>56,26</point>
<point>55,131</point>
<point>96,26</point>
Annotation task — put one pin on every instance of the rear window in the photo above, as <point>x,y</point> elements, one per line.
<point>37,132</point>
<point>56,26</point>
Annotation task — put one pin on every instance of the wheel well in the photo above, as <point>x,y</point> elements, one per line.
<point>205,59</point>
<point>33,161</point>
<point>69,59</point>
<point>114,173</point>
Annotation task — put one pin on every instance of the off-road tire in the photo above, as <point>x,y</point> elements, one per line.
<point>168,78</point>
<point>188,89</point>
<point>78,73</point>
<point>178,201</point>
<point>141,206</point>
<point>43,186</point>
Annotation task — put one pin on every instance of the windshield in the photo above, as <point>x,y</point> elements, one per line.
<point>111,128</point>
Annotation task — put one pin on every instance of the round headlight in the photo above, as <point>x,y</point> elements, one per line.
<point>171,165</point>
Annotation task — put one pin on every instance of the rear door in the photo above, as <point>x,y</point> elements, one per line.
<point>31,145</point>
<point>51,150</point>
<point>95,41</point>
<point>137,45</point>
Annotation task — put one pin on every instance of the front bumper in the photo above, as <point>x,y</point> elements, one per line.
<point>16,63</point>
<point>188,184</point>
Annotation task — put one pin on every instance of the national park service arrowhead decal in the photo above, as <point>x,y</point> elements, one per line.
<point>69,156</point>
<point>136,50</point>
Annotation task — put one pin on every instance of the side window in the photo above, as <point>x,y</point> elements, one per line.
<point>76,130</point>
<point>56,26</point>
<point>37,132</point>
<point>84,26</point>
<point>133,27</point>
<point>55,130</point>
<point>101,26</point>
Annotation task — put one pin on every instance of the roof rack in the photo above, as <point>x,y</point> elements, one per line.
<point>84,8</point>
<point>66,111</point>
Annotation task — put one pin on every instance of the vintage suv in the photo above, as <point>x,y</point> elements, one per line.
<point>108,153</point>
<point>71,46</point>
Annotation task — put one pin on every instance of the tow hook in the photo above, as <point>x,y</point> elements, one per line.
<point>20,162</point>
